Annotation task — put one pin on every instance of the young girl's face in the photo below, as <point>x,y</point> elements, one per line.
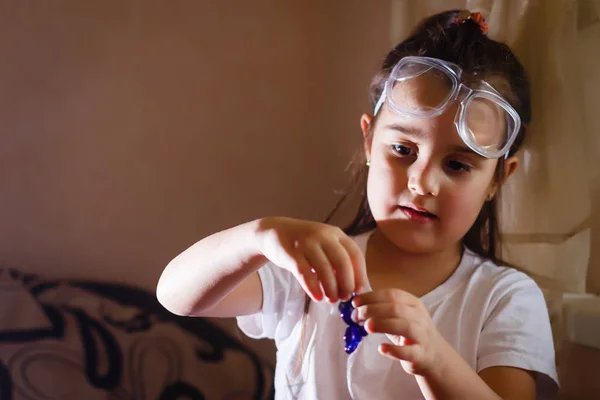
<point>425,186</point>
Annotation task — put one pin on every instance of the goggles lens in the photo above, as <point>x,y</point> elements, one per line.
<point>422,88</point>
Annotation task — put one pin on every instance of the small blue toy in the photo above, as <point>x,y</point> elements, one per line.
<point>354,332</point>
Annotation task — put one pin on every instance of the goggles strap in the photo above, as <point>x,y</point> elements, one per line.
<point>380,101</point>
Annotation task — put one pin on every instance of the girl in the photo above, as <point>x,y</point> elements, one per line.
<point>444,318</point>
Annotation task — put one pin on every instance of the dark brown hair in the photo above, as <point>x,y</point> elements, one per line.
<point>480,57</point>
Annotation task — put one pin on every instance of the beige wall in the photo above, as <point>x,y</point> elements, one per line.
<point>590,61</point>
<point>131,129</point>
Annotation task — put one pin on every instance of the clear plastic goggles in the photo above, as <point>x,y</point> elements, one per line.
<point>423,87</point>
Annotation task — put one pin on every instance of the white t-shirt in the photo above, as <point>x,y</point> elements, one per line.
<point>491,315</point>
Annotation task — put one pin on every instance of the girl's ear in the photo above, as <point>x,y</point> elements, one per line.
<point>365,124</point>
<point>510,166</point>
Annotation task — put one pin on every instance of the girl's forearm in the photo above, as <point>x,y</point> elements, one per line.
<point>209,270</point>
<point>454,379</point>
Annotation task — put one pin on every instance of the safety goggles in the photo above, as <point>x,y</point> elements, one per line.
<point>423,87</point>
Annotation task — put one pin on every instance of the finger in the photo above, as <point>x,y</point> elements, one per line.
<point>404,353</point>
<point>294,261</point>
<point>393,326</point>
<point>358,263</point>
<point>385,310</point>
<point>386,296</point>
<point>308,279</point>
<point>314,254</point>
<point>344,273</point>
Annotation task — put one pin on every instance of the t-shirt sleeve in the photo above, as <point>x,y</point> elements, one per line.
<point>282,308</point>
<point>517,333</point>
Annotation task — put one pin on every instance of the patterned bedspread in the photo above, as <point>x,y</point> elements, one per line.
<point>94,340</point>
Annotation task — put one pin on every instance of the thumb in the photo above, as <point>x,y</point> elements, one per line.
<point>403,353</point>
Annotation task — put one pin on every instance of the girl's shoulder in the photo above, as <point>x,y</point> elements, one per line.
<point>497,273</point>
<point>478,280</point>
<point>501,281</point>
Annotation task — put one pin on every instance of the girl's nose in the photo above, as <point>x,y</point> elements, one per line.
<point>423,179</point>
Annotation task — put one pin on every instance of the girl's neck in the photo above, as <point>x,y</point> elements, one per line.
<point>417,273</point>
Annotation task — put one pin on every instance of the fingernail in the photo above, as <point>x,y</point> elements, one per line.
<point>354,315</point>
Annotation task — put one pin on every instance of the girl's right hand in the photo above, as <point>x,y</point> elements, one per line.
<point>324,260</point>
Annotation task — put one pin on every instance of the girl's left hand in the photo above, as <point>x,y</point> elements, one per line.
<point>406,322</point>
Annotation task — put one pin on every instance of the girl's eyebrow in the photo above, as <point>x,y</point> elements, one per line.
<point>407,130</point>
<point>466,150</point>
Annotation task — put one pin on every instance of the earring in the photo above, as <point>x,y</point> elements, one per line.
<point>368,163</point>
<point>490,197</point>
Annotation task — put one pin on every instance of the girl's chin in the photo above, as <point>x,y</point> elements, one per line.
<point>409,237</point>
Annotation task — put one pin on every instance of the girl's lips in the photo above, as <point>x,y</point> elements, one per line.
<point>417,215</point>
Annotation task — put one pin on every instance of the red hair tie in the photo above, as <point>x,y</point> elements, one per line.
<point>475,17</point>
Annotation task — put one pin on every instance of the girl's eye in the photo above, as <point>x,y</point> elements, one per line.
<point>457,166</point>
<point>402,150</point>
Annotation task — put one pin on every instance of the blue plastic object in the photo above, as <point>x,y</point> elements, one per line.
<point>354,332</point>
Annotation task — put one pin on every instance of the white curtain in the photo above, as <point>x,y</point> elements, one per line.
<point>546,207</point>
